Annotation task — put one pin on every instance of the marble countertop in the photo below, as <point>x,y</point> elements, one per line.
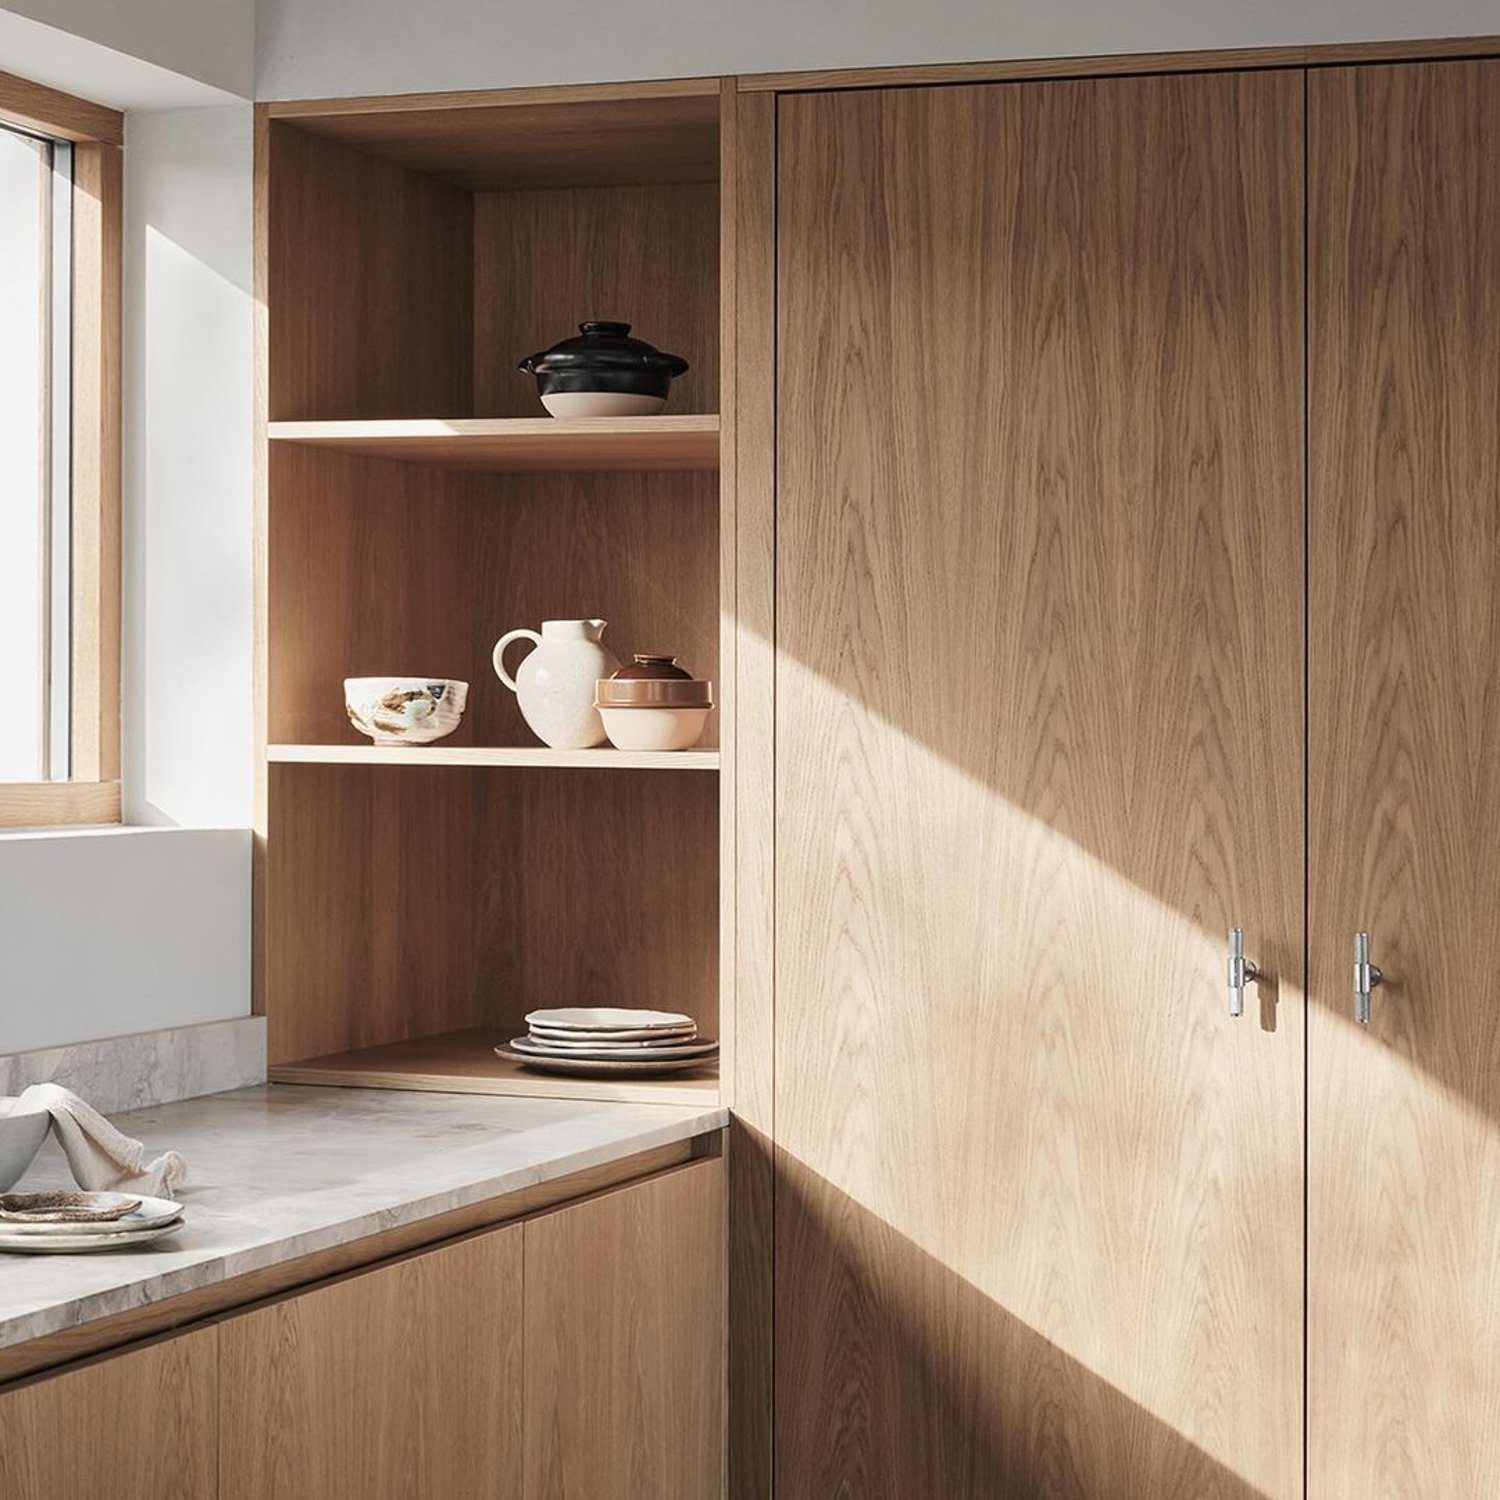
<point>281,1171</point>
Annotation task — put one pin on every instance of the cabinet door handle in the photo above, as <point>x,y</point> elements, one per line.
<point>1241,971</point>
<point>1366,977</point>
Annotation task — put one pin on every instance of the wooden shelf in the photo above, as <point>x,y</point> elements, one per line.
<point>521,444</point>
<point>493,755</point>
<point>464,1062</point>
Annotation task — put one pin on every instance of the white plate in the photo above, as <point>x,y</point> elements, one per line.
<point>615,1041</point>
<point>607,1018</point>
<point>588,1067</point>
<point>152,1213</point>
<point>72,1244</point>
<point>600,1053</point>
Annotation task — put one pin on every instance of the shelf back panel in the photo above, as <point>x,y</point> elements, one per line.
<point>370,286</point>
<point>545,261</point>
<point>404,902</point>
<point>380,568</point>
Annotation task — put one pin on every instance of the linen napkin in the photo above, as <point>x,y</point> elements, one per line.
<point>102,1158</point>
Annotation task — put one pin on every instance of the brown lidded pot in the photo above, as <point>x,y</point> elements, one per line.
<point>653,681</point>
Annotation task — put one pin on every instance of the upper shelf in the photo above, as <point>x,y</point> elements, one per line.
<point>524,444</point>
<point>613,135</point>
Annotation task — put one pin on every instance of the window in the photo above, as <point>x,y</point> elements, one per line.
<point>59,457</point>
<point>36,201</point>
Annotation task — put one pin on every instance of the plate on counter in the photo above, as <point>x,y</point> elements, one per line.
<point>149,1213</point>
<point>32,1243</point>
<point>590,1067</point>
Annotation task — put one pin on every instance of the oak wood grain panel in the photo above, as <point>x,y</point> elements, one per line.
<point>1003,70</point>
<point>1039,744</point>
<point>34,804</point>
<point>624,1323</point>
<point>406,902</point>
<point>603,758</point>
<point>465,1062</point>
<point>1404,1158</point>
<point>544,261</point>
<point>497,444</point>
<point>70,1344</point>
<point>306,110</point>
<point>390,568</point>
<point>34,106</point>
<point>402,1381</point>
<point>95,456</point>
<point>135,1426</point>
<point>546,143</point>
<point>370,906</point>
<point>753,185</point>
<point>370,285</point>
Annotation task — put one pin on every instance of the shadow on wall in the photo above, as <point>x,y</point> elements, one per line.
<point>948,1416</point>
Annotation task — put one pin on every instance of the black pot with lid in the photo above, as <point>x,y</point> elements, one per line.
<point>603,358</point>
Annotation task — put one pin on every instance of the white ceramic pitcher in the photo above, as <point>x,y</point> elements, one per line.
<point>555,683</point>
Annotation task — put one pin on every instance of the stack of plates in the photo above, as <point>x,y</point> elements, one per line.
<point>72,1223</point>
<point>599,1041</point>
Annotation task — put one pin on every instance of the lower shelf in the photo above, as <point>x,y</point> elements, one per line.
<point>464,1062</point>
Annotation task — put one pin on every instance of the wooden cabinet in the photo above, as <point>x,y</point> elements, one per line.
<point>625,1344</point>
<point>578,1353</point>
<point>1403,1152</point>
<point>397,1382</point>
<point>135,1426</point>
<point>1039,745</point>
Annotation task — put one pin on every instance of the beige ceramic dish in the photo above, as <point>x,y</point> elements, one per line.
<point>653,704</point>
<point>405,710</point>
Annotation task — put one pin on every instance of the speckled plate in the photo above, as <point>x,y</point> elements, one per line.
<point>31,1243</point>
<point>606,1018</point>
<point>588,1067</point>
<point>150,1213</point>
<point>605,1052</point>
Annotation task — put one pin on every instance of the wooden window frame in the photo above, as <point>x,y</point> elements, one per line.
<point>92,792</point>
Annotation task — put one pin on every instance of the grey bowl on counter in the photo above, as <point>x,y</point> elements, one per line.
<point>21,1137</point>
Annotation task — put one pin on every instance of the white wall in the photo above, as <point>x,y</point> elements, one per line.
<point>187,747</point>
<point>309,48</point>
<point>121,930</point>
<point>211,41</point>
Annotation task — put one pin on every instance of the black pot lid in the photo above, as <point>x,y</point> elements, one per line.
<point>603,346</point>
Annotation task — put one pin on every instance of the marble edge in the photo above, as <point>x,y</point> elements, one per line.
<point>215,1270</point>
<point>147,1068</point>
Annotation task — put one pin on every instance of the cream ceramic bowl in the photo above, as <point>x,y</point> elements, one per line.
<point>405,710</point>
<point>21,1137</point>
<point>654,728</point>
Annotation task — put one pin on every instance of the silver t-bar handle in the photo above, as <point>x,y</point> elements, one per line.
<point>1366,977</point>
<point>1241,971</point>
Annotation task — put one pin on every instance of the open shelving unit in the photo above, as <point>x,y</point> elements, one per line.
<point>416,902</point>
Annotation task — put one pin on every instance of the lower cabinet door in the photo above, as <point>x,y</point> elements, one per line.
<point>395,1384</point>
<point>136,1426</point>
<point>625,1361</point>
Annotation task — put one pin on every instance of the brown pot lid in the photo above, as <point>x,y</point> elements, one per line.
<point>653,666</point>
<point>649,692</point>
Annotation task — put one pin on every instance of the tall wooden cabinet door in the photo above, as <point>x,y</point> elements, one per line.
<point>625,1356</point>
<point>1039,745</point>
<point>1404,768</point>
<point>394,1383</point>
<point>141,1425</point>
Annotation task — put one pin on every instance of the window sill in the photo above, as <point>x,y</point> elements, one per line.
<point>58,804</point>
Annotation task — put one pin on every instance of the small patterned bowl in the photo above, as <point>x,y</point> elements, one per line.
<point>405,710</point>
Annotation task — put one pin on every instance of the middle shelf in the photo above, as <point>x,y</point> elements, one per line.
<point>494,755</point>
<point>522,444</point>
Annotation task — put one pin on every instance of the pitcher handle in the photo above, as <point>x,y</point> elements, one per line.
<point>499,655</point>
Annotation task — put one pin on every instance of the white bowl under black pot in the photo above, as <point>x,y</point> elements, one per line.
<point>603,373</point>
